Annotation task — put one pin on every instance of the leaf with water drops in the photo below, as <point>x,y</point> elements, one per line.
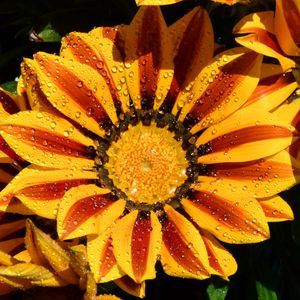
<point>10,86</point>
<point>217,290</point>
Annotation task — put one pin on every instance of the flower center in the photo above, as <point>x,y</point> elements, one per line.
<point>147,164</point>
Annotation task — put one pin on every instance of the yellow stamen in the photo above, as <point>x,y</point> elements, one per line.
<point>147,164</point>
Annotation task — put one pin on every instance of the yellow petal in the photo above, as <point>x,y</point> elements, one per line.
<point>221,88</point>
<point>34,274</point>
<point>192,34</point>
<point>76,90</point>
<point>131,287</point>
<point>260,178</point>
<point>231,217</point>
<point>37,99</point>
<point>6,259</point>
<point>136,251</point>
<point>86,210</point>
<point>149,58</point>
<point>43,247</point>
<point>41,190</point>
<point>246,135</point>
<point>102,54</point>
<point>286,26</point>
<point>183,252</point>
<point>101,257</point>
<point>46,140</point>
<point>220,260</point>
<point>273,89</point>
<point>260,37</point>
<point>276,209</point>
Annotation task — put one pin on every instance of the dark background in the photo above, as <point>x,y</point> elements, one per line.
<point>267,271</point>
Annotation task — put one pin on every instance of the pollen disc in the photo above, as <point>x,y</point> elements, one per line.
<point>147,163</point>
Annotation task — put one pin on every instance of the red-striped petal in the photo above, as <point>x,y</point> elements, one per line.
<point>261,178</point>
<point>149,58</point>
<point>46,140</point>
<point>192,34</point>
<point>220,88</point>
<point>136,252</point>
<point>231,219</point>
<point>86,210</point>
<point>183,251</point>
<point>101,258</point>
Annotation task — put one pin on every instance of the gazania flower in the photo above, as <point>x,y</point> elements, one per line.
<point>133,146</point>
<point>276,36</point>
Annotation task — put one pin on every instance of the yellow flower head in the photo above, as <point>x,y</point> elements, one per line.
<point>143,142</point>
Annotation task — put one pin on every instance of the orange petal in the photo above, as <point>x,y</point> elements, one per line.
<point>86,210</point>
<point>131,287</point>
<point>84,97</point>
<point>183,252</point>
<point>231,217</point>
<point>136,252</point>
<point>260,178</point>
<point>259,36</point>
<point>101,258</point>
<point>46,140</point>
<point>272,90</point>
<point>100,53</point>
<point>221,88</point>
<point>220,260</point>
<point>246,135</point>
<point>286,26</point>
<point>42,189</point>
<point>276,209</point>
<point>149,58</point>
<point>37,99</point>
<point>192,34</point>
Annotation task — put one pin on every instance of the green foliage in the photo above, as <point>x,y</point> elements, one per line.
<point>264,293</point>
<point>10,86</point>
<point>217,289</point>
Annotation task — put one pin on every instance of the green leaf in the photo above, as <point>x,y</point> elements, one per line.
<point>265,293</point>
<point>48,34</point>
<point>10,86</point>
<point>217,290</point>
